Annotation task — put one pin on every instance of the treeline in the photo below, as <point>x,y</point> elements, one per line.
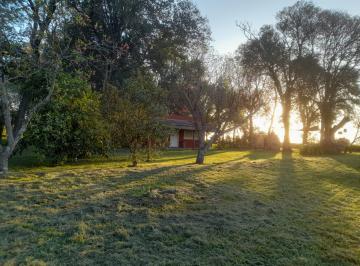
<point>82,77</point>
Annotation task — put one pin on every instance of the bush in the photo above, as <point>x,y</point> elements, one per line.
<point>338,147</point>
<point>311,150</point>
<point>260,141</point>
<point>70,126</point>
<point>272,142</point>
<point>230,143</point>
<point>353,148</point>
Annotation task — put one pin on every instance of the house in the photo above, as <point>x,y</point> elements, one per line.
<point>184,134</point>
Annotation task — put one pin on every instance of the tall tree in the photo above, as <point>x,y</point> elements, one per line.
<point>118,37</point>
<point>338,48</point>
<point>269,54</point>
<point>29,64</point>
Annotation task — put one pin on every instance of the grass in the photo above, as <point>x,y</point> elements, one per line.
<point>251,208</point>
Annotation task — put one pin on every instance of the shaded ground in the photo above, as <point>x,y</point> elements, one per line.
<point>254,208</point>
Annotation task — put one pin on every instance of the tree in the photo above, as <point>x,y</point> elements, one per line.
<point>338,49</point>
<point>275,50</point>
<point>135,114</point>
<point>356,124</point>
<point>214,106</point>
<point>119,37</point>
<point>308,83</point>
<point>267,54</point>
<point>29,63</point>
<point>71,126</point>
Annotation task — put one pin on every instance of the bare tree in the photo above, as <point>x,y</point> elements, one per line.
<point>214,106</point>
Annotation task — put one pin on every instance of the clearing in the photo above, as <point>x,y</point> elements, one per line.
<point>241,207</point>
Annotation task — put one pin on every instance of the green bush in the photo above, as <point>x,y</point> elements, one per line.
<point>70,126</point>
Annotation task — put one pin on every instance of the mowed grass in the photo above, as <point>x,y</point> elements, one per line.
<point>251,208</point>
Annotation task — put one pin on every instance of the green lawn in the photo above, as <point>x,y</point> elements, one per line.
<point>256,208</point>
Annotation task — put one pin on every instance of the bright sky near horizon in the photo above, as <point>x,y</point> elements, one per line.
<point>226,36</point>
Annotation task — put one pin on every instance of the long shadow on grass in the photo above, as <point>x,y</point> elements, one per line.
<point>350,160</point>
<point>261,155</point>
<point>186,214</point>
<point>93,218</point>
<point>309,215</point>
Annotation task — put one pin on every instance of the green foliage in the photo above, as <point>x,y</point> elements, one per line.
<point>71,126</point>
<point>139,33</point>
<point>134,114</point>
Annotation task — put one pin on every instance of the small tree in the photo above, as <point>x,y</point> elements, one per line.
<point>134,114</point>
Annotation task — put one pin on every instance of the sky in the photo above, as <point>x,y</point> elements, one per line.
<point>223,16</point>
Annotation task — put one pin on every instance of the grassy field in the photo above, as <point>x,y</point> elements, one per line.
<point>252,208</point>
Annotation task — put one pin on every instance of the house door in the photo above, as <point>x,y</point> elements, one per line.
<point>174,140</point>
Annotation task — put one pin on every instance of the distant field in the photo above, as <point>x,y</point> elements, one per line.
<point>257,208</point>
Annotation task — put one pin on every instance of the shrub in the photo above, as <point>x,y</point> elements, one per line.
<point>311,149</point>
<point>353,148</point>
<point>338,147</point>
<point>272,142</point>
<point>229,143</point>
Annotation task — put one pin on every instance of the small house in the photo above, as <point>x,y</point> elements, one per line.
<point>184,134</point>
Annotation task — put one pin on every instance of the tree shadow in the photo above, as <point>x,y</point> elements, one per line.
<point>350,160</point>
<point>193,214</point>
<point>261,155</point>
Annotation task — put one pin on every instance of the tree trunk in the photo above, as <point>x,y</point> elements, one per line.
<point>202,149</point>
<point>273,115</point>
<point>251,131</point>
<point>305,136</point>
<point>148,150</point>
<point>4,163</point>
<point>327,133</point>
<point>133,150</point>
<point>286,121</point>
